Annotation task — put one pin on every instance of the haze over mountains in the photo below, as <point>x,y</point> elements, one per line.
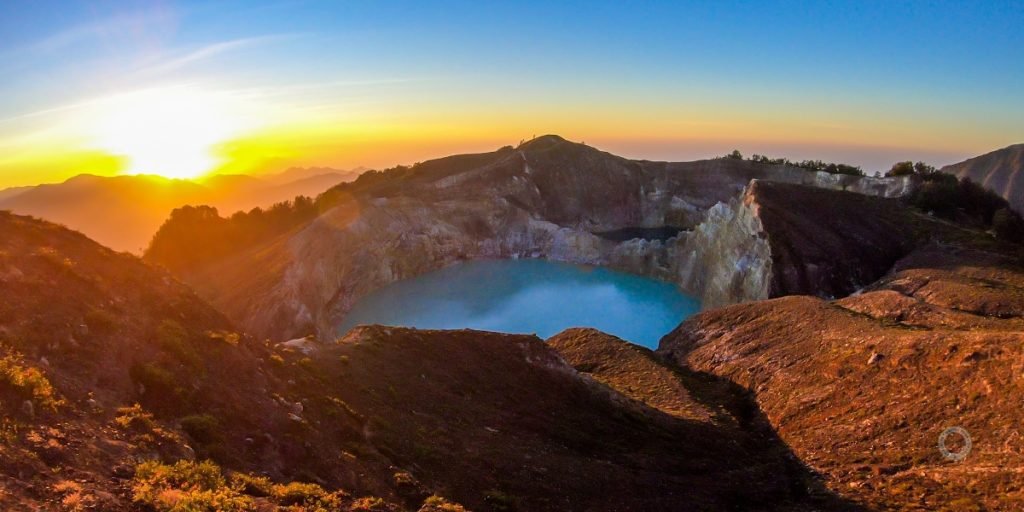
<point>123,212</point>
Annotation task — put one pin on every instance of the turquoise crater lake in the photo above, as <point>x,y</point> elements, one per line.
<point>528,296</point>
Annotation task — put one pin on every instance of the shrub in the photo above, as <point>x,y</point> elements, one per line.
<point>258,486</point>
<point>299,493</point>
<point>310,497</point>
<point>231,338</point>
<point>162,391</point>
<point>204,428</point>
<point>810,165</point>
<point>436,503</point>
<point>194,235</point>
<point>1008,225</point>
<point>186,486</point>
<point>499,500</point>
<point>27,383</point>
<point>174,338</point>
<point>404,478</point>
<point>946,197</point>
<point>100,321</point>
<point>135,418</point>
<point>901,169</point>
<point>368,503</point>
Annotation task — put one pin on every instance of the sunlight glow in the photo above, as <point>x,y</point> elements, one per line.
<point>168,132</point>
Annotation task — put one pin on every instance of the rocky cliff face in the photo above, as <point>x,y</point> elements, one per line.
<point>550,198</point>
<point>780,239</point>
<point>1001,171</point>
<point>727,259</point>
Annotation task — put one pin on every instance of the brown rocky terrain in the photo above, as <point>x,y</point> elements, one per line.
<point>501,422</point>
<point>549,198</point>
<point>1001,171</point>
<point>862,387</point>
<point>86,333</point>
<point>116,380</point>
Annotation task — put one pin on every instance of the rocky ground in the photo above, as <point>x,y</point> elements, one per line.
<point>862,387</point>
<point>116,381</point>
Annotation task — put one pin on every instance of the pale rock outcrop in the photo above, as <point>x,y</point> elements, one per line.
<point>727,258</point>
<point>780,239</point>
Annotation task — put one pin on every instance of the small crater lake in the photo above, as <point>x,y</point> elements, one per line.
<point>529,296</point>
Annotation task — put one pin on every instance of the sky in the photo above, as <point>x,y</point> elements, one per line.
<point>187,88</point>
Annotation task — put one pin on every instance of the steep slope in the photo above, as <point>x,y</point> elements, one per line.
<point>498,422</point>
<point>636,372</point>
<point>124,212</point>
<point>861,388</point>
<point>780,239</point>
<point>549,198</point>
<point>1001,171</point>
<point>85,333</point>
<point>501,422</point>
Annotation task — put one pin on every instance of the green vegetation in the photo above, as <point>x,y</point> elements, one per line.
<point>162,393</point>
<point>100,321</point>
<point>174,338</point>
<point>204,428</point>
<point>436,503</point>
<point>27,383</point>
<point>197,234</point>
<point>134,418</point>
<point>188,486</point>
<point>810,165</point>
<point>499,500</point>
<point>367,504</point>
<point>947,197</point>
<point>909,168</point>
<point>308,496</point>
<point>1008,225</point>
<point>231,338</point>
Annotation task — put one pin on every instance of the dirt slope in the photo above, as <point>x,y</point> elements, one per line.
<point>861,388</point>
<point>384,419</point>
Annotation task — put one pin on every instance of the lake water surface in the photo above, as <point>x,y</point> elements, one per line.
<point>529,296</point>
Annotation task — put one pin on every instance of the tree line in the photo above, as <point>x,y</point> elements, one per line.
<point>960,199</point>
<point>810,165</point>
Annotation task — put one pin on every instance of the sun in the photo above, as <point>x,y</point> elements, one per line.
<point>169,132</point>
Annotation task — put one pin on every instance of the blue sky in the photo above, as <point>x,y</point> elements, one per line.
<point>863,81</point>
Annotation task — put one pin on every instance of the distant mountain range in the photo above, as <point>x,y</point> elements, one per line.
<point>1001,171</point>
<point>123,212</point>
